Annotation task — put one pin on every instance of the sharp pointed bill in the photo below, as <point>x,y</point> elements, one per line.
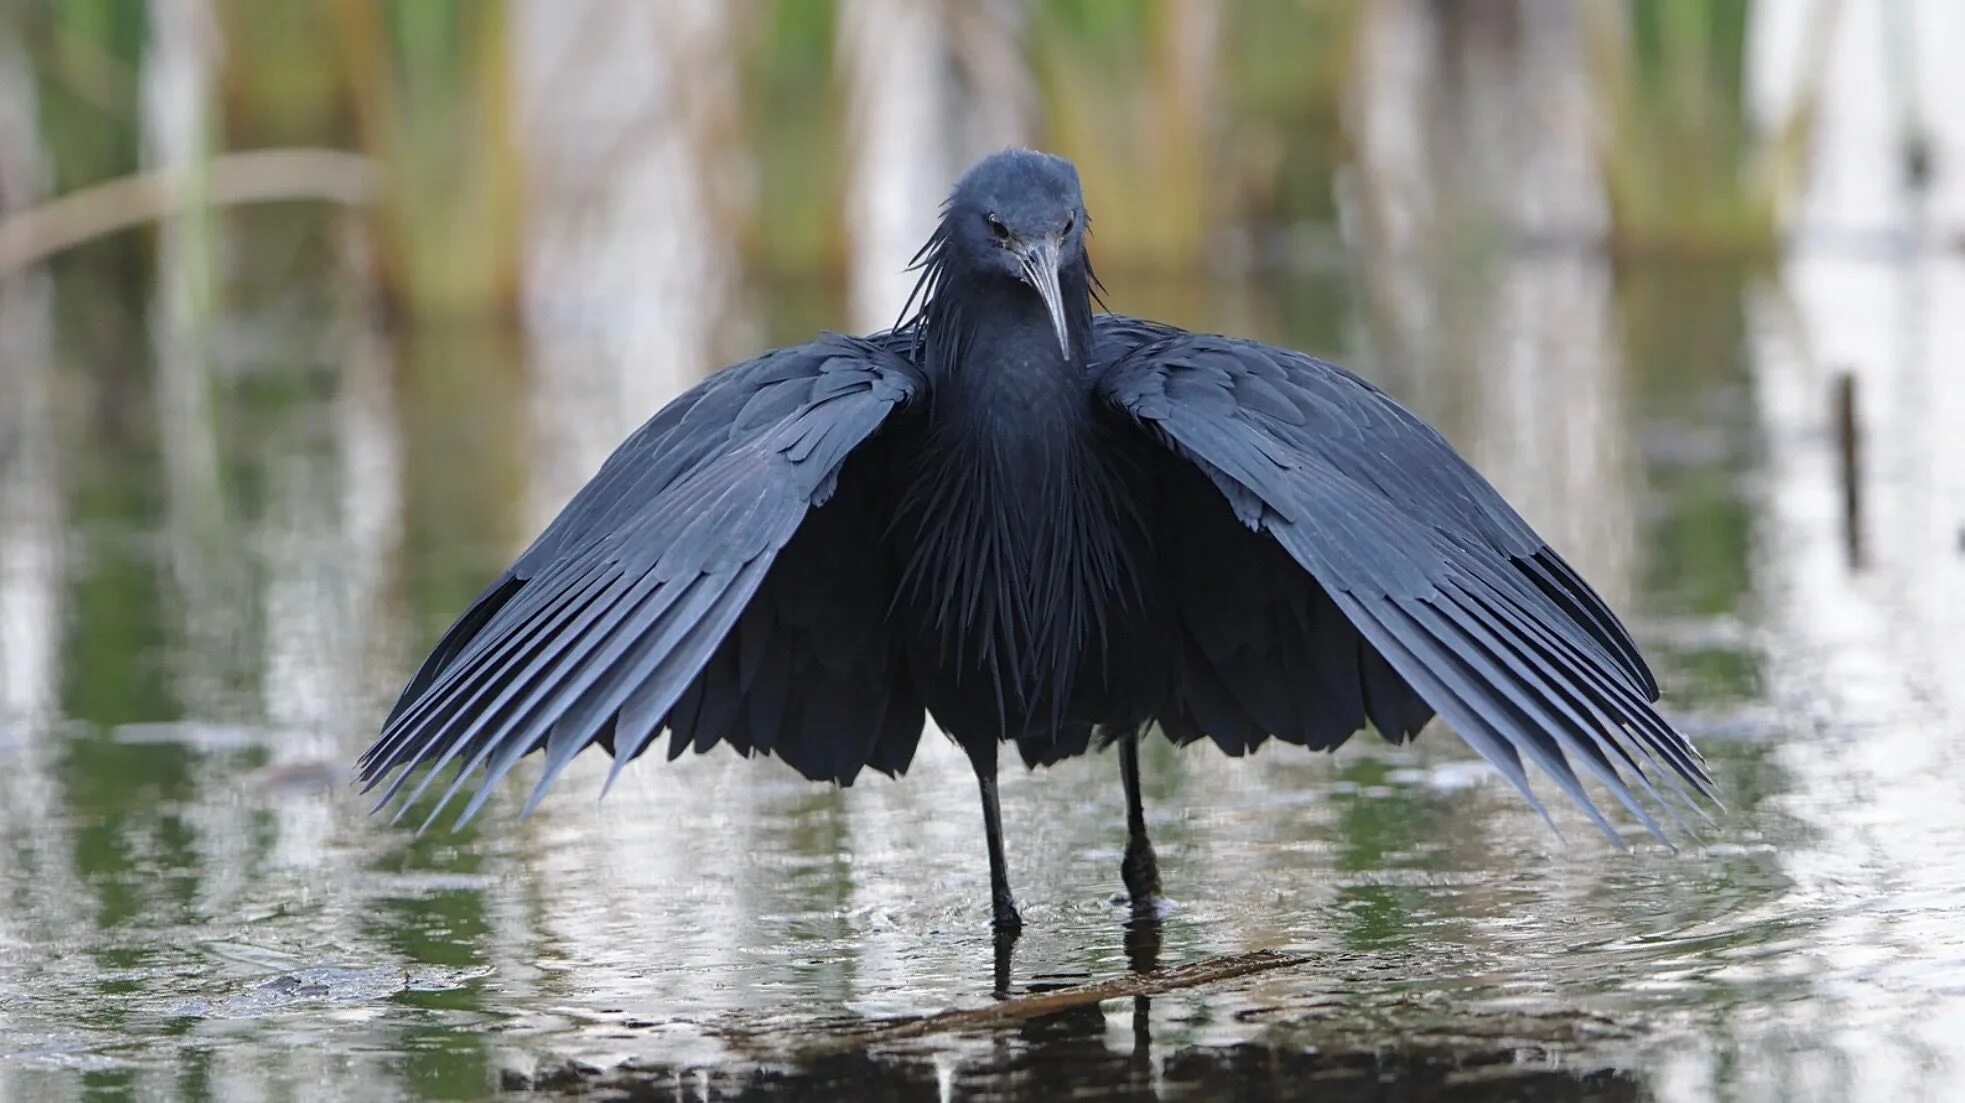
<point>1041,527</point>
<point>1040,270</point>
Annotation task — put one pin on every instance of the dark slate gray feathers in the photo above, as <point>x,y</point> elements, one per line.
<point>618,621</point>
<point>1324,562</point>
<point>1423,559</point>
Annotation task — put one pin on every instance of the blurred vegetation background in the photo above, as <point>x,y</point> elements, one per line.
<point>1206,131</point>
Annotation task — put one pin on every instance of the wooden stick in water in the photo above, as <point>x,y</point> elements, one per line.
<point>1192,975</point>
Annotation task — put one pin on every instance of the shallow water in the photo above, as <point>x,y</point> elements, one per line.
<point>219,555</point>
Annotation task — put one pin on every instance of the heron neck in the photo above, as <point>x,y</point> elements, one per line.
<point>992,339</point>
<point>1012,510</point>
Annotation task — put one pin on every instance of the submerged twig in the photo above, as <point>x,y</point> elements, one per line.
<point>1158,982</point>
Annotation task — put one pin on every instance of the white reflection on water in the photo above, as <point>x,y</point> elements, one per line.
<point>32,538</point>
<point>205,554</point>
<point>1870,655</point>
<point>30,492</point>
<point>1867,665</point>
<point>1865,660</point>
<point>31,522</point>
<point>327,545</point>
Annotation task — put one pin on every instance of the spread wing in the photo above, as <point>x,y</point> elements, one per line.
<point>717,578</point>
<point>1405,584</point>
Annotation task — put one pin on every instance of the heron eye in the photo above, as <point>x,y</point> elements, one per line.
<point>1069,222</point>
<point>996,227</point>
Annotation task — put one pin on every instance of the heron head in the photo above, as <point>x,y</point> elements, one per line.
<point>1019,214</point>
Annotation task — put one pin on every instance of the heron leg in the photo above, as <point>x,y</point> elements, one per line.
<point>1140,867</point>
<point>1002,904</point>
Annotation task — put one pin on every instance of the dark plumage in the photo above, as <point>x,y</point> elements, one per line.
<point>1039,526</point>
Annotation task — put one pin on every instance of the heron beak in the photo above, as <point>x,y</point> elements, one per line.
<point>1040,271</point>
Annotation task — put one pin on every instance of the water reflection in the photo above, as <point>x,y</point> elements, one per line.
<point>30,509</point>
<point>30,498</point>
<point>214,890</point>
<point>1865,657</point>
<point>209,897</point>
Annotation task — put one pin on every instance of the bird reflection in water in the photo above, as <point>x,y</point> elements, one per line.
<point>1143,957</point>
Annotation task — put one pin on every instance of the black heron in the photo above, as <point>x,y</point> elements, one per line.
<point>1038,525</point>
